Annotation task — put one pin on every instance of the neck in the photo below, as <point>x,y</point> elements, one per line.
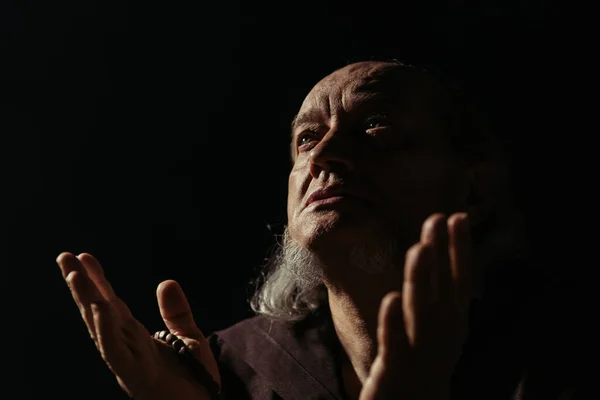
<point>354,303</point>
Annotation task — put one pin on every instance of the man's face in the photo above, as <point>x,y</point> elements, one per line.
<point>371,161</point>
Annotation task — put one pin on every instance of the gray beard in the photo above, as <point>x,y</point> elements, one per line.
<point>308,271</point>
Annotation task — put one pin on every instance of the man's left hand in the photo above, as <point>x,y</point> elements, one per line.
<point>421,331</point>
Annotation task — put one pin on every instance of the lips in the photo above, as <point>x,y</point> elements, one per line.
<point>327,193</point>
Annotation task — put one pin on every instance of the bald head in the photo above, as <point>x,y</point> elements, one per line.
<point>372,74</point>
<point>388,83</point>
<point>400,84</point>
<point>359,74</point>
<point>369,77</point>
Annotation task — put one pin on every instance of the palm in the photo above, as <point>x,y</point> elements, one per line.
<point>145,368</point>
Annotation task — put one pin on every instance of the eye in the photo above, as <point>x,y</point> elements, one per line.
<point>305,139</point>
<point>377,121</point>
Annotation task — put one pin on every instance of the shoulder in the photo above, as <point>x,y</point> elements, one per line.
<point>265,330</point>
<point>260,336</point>
<point>259,357</point>
<point>246,354</point>
<point>257,322</point>
<point>247,336</point>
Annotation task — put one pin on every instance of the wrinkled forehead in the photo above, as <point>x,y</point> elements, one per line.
<point>365,81</point>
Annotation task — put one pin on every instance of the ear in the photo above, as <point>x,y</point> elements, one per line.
<point>487,184</point>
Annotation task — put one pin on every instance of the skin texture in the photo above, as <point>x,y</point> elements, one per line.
<point>145,368</point>
<point>368,131</point>
<point>371,129</point>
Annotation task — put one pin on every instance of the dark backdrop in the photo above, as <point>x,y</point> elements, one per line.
<point>154,135</point>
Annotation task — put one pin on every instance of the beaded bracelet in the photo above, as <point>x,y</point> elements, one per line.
<point>193,365</point>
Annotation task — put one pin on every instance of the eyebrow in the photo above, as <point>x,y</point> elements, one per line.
<point>304,118</point>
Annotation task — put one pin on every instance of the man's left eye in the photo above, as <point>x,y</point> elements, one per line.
<point>377,121</point>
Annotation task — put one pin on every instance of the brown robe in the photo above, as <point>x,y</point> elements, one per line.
<point>260,359</point>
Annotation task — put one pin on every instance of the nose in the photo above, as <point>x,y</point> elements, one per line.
<point>332,154</point>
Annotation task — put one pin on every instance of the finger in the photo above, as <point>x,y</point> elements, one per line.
<point>391,333</point>
<point>175,311</point>
<point>96,273</point>
<point>435,232</point>
<point>372,388</point>
<point>83,290</point>
<point>416,297</point>
<point>67,264</point>
<point>462,268</point>
<point>461,255</point>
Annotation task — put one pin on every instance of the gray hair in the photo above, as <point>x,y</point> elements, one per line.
<point>290,287</point>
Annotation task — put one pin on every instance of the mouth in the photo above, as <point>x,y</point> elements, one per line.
<point>331,196</point>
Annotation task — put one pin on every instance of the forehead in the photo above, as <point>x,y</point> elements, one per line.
<point>365,83</point>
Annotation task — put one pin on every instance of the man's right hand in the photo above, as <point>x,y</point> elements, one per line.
<point>146,368</point>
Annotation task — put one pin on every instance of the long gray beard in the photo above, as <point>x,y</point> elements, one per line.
<point>308,270</point>
<point>300,263</point>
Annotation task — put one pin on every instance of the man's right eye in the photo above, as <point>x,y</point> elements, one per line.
<point>306,138</point>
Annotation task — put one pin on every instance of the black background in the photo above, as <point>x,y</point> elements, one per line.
<point>154,135</point>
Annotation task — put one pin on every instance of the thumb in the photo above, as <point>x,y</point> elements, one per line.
<point>175,311</point>
<point>177,315</point>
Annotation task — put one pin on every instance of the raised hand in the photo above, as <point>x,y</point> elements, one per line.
<point>421,331</point>
<point>146,368</point>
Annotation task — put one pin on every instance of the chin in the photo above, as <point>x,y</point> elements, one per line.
<point>332,231</point>
<point>365,244</point>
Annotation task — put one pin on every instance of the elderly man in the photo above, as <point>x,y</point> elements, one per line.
<point>395,185</point>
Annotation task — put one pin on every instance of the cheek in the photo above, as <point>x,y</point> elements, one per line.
<point>294,192</point>
<point>417,186</point>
